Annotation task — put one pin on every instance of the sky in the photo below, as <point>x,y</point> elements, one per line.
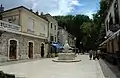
<point>56,7</point>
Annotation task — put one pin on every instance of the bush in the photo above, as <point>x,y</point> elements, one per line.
<point>4,75</point>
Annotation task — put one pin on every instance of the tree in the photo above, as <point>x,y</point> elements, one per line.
<point>72,24</point>
<point>90,32</point>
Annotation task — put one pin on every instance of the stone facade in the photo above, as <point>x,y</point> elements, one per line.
<point>71,40</point>
<point>112,20</point>
<point>22,33</point>
<point>52,28</point>
<point>22,45</point>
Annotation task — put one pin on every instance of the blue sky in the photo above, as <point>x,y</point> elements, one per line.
<point>56,7</point>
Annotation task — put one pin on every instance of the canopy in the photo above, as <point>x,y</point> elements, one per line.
<point>57,45</point>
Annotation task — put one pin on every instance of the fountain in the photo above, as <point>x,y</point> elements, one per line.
<point>67,55</point>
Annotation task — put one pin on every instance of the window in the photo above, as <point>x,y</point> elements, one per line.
<point>55,27</point>
<point>58,33</point>
<point>116,12</point>
<point>111,21</point>
<point>30,25</point>
<point>51,25</point>
<point>107,27</point>
<point>51,38</point>
<point>1,17</point>
<point>44,27</point>
<point>55,38</point>
<point>10,20</point>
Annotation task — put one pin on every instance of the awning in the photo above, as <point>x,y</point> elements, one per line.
<point>57,45</point>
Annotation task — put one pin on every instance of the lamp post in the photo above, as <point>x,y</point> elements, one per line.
<point>105,37</point>
<point>81,47</point>
<point>75,43</point>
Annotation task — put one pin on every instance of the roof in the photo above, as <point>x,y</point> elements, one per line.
<point>57,45</point>
<point>111,37</point>
<point>25,9</point>
<point>48,15</point>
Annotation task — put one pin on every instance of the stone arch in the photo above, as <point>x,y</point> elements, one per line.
<point>30,49</point>
<point>42,49</point>
<point>13,49</point>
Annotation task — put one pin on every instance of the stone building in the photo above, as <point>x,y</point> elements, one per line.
<point>111,46</point>
<point>112,25</point>
<point>71,40</point>
<point>53,27</point>
<point>63,35</point>
<point>22,32</point>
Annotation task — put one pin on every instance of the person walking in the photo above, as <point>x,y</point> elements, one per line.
<point>90,54</point>
<point>94,55</point>
<point>98,54</point>
<point>42,50</point>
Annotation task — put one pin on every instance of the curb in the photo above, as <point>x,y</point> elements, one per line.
<point>99,70</point>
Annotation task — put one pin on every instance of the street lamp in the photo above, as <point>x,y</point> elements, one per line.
<point>80,42</point>
<point>74,38</point>
<point>75,43</point>
<point>81,47</point>
<point>105,37</point>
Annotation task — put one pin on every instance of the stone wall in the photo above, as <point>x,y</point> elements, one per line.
<point>23,42</point>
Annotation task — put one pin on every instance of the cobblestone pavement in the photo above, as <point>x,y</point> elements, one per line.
<point>46,68</point>
<point>109,70</point>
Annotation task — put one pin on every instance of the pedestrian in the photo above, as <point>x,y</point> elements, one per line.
<point>90,54</point>
<point>98,54</point>
<point>94,55</point>
<point>78,51</point>
<point>42,50</point>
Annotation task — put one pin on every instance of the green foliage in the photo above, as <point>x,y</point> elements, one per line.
<point>90,32</point>
<point>73,24</point>
<point>4,75</point>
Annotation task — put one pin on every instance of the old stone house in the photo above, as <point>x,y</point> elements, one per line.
<point>22,32</point>
<point>53,27</point>
<point>63,35</point>
<point>111,46</point>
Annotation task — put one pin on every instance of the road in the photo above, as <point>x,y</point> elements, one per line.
<point>46,68</point>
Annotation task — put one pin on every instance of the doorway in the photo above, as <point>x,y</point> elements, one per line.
<point>13,49</point>
<point>30,50</point>
<point>42,50</point>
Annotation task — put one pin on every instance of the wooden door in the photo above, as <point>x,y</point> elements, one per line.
<point>13,49</point>
<point>30,50</point>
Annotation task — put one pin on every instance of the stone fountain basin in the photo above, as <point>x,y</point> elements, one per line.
<point>66,56</point>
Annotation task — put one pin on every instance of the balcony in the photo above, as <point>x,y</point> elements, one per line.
<point>9,26</point>
<point>30,31</point>
<point>109,33</point>
<point>114,27</point>
<point>42,35</point>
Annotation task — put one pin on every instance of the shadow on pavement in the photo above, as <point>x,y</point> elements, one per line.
<point>109,70</point>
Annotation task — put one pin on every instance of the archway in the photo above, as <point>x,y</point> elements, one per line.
<point>30,50</point>
<point>42,50</point>
<point>13,49</point>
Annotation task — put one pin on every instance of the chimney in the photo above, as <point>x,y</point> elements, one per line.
<point>31,10</point>
<point>37,12</point>
<point>1,8</point>
<point>42,13</point>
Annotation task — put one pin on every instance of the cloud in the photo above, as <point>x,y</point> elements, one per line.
<point>88,8</point>
<point>90,14</point>
<point>54,7</point>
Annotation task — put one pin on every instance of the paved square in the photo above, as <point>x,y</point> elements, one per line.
<point>46,68</point>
